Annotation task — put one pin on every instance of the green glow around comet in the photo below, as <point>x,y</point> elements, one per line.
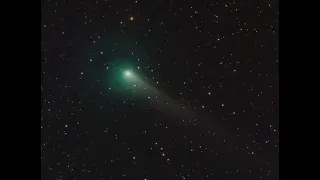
<point>119,74</point>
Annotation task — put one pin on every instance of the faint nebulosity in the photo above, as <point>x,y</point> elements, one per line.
<point>159,90</point>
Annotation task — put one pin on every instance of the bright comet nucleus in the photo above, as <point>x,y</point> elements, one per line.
<point>127,73</point>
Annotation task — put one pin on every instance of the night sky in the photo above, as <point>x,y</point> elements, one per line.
<point>159,90</point>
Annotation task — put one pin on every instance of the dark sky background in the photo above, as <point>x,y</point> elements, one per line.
<point>219,59</point>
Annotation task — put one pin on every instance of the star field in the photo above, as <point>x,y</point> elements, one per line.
<point>213,66</point>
